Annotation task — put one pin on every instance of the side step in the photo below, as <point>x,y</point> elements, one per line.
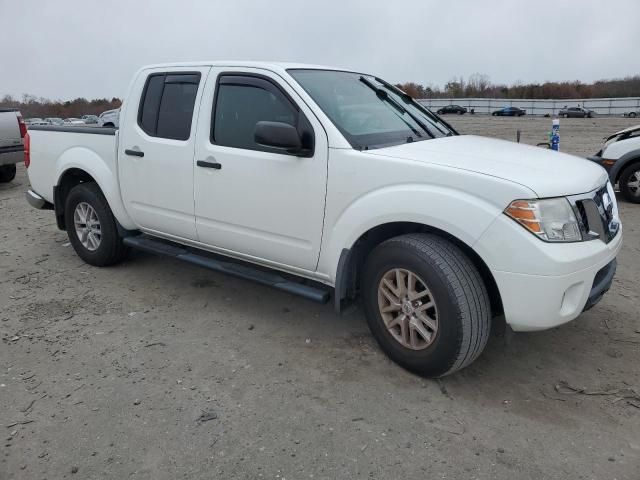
<point>189,255</point>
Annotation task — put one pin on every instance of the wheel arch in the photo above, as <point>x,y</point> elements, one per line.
<point>352,260</point>
<point>91,171</point>
<point>623,162</point>
<point>67,180</point>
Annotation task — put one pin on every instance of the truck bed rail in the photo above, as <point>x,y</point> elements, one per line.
<point>58,128</point>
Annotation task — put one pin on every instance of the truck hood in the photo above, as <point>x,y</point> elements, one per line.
<point>547,173</point>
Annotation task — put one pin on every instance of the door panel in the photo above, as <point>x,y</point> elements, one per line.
<point>262,204</point>
<point>156,148</point>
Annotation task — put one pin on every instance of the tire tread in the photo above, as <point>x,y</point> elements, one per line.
<point>468,287</point>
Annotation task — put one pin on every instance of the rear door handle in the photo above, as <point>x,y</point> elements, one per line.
<point>205,164</point>
<point>134,153</point>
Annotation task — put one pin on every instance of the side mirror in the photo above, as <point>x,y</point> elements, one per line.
<point>278,135</point>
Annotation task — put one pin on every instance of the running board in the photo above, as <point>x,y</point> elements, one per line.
<point>186,254</point>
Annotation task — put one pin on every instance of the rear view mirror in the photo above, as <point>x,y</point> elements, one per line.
<point>278,135</point>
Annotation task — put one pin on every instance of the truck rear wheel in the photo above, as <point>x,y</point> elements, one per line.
<point>91,226</point>
<point>7,173</point>
<point>629,183</point>
<point>426,304</point>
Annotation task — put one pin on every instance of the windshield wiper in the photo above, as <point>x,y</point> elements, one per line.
<point>383,95</point>
<point>409,99</point>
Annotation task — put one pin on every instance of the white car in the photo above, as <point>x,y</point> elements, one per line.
<point>620,156</point>
<point>323,182</point>
<point>36,122</point>
<point>54,121</point>
<point>110,118</point>
<point>73,121</point>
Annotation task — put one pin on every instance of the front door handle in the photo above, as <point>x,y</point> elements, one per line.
<point>205,164</point>
<point>134,153</point>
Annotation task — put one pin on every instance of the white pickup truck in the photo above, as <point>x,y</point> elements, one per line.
<point>321,182</point>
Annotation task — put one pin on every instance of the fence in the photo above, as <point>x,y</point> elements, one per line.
<point>602,106</point>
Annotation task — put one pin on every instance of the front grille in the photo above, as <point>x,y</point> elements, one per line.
<point>596,214</point>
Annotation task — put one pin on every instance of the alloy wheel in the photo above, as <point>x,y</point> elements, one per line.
<point>87,226</point>
<point>408,309</point>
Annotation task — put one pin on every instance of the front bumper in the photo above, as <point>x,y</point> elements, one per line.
<point>561,280</point>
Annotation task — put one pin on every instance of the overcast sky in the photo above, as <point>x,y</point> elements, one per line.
<point>71,48</point>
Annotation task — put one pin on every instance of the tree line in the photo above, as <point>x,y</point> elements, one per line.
<point>39,107</point>
<point>479,85</point>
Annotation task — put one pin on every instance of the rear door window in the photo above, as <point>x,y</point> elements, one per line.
<point>167,103</point>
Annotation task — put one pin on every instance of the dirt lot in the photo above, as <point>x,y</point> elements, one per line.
<point>159,370</point>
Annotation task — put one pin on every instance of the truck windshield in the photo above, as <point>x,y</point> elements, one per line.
<point>369,112</point>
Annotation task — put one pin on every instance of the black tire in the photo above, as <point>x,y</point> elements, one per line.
<point>628,194</point>
<point>109,125</point>
<point>494,114</point>
<point>7,173</point>
<point>463,306</point>
<point>632,115</point>
<point>110,250</point>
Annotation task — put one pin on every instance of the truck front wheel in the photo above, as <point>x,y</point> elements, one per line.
<point>426,304</point>
<point>7,173</point>
<point>91,226</point>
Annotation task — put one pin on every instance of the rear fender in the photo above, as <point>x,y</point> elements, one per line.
<point>87,160</point>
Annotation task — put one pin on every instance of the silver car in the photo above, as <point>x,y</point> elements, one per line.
<point>90,119</point>
<point>54,120</point>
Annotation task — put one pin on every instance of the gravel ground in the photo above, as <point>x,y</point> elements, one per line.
<point>155,369</point>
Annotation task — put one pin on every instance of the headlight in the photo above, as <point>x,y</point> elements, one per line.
<point>550,219</point>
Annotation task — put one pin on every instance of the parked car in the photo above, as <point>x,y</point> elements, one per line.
<point>576,112</point>
<point>620,156</point>
<point>632,114</point>
<point>35,120</point>
<point>509,112</point>
<point>13,140</point>
<point>54,121</point>
<point>452,109</point>
<point>110,118</point>
<point>255,170</point>
<point>90,119</point>
<point>73,121</point>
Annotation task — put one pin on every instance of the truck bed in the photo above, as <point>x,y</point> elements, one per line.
<point>88,148</point>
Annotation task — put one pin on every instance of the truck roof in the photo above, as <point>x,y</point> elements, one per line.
<point>274,66</point>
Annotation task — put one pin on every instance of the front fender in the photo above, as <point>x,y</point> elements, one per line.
<point>622,162</point>
<point>454,211</point>
<point>85,159</point>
